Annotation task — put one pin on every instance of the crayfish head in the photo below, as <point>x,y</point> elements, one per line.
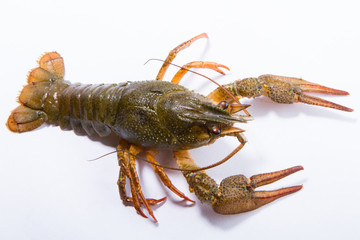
<point>194,120</point>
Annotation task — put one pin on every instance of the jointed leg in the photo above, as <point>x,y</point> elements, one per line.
<point>163,176</point>
<point>174,52</point>
<point>198,64</point>
<point>126,157</point>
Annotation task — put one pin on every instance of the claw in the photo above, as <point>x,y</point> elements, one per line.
<point>288,90</point>
<point>279,89</point>
<point>237,193</point>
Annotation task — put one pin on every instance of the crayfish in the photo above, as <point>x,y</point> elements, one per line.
<point>149,116</point>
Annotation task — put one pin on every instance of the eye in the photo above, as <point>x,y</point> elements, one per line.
<point>215,130</point>
<point>223,105</point>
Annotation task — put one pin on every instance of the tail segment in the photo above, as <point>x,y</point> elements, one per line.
<point>30,115</point>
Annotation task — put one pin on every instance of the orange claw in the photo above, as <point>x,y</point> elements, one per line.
<point>237,193</point>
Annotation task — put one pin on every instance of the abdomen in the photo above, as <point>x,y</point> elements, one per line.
<point>86,108</point>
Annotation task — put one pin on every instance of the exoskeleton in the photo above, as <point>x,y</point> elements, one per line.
<point>149,116</point>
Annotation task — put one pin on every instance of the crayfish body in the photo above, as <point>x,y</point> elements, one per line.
<point>149,116</point>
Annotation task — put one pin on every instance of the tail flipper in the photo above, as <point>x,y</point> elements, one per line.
<point>51,68</point>
<point>23,119</point>
<point>30,115</point>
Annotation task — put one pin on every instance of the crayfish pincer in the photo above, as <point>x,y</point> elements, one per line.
<point>150,116</point>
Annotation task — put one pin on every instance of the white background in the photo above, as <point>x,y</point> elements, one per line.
<point>48,189</point>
